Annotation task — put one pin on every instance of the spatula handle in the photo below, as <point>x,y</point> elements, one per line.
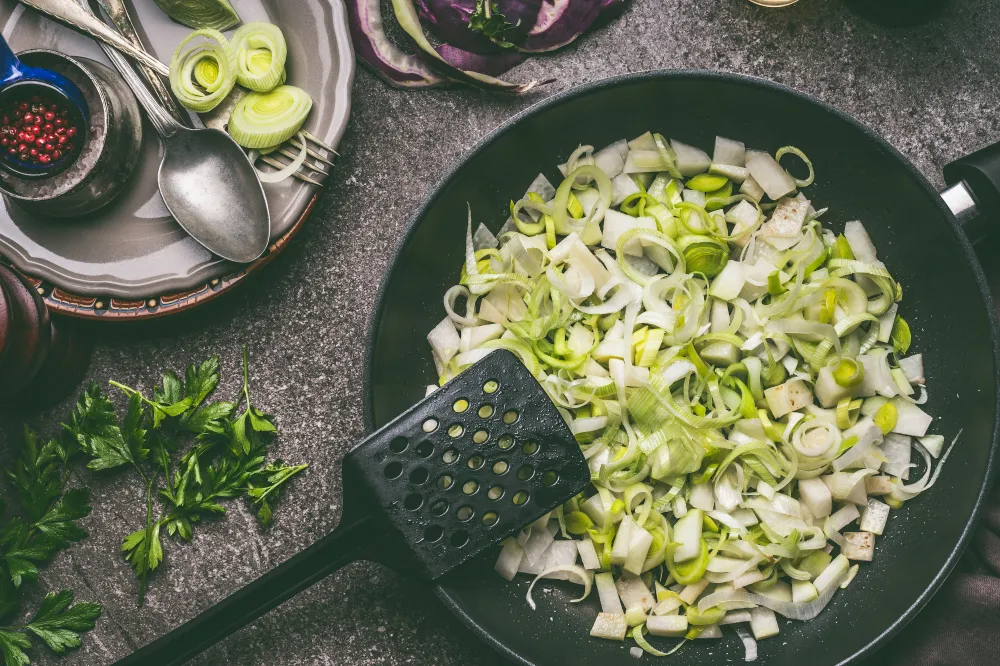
<point>343,546</point>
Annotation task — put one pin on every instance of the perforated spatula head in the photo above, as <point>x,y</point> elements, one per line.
<point>463,469</point>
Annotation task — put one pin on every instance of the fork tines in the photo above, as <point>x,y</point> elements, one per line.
<point>311,168</point>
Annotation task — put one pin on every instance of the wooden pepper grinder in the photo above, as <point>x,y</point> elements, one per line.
<point>41,360</point>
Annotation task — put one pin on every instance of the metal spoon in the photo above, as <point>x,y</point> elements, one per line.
<point>206,180</point>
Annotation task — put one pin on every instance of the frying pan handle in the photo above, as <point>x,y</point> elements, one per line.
<point>974,192</point>
<point>347,543</point>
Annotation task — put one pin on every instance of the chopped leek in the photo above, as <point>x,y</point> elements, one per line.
<point>728,370</point>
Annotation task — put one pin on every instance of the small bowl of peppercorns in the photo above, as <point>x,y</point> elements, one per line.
<point>40,130</point>
<point>66,155</point>
<point>43,117</point>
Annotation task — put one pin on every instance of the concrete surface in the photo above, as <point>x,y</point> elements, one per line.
<point>930,89</point>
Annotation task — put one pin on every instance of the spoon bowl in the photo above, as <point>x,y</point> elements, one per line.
<point>212,190</point>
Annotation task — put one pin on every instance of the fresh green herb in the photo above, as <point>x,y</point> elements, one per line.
<point>190,453</point>
<point>43,522</point>
<point>488,20</point>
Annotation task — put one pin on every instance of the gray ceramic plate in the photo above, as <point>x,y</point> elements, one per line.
<point>132,252</point>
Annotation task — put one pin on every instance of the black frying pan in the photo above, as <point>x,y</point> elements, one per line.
<point>860,177</point>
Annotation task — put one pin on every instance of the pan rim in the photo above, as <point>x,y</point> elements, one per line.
<point>688,74</point>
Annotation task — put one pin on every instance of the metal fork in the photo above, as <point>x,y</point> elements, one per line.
<point>219,119</point>
<point>118,13</point>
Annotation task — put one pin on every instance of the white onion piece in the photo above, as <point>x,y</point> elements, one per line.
<point>451,296</point>
<point>869,438</point>
<point>749,644</point>
<point>735,617</point>
<point>913,368</point>
<point>626,293</point>
<point>912,490</point>
<point>800,611</point>
<point>586,578</point>
<point>539,541</point>
<point>861,244</point>
<point>510,559</point>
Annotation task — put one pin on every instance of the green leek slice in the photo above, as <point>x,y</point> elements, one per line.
<point>200,14</point>
<point>202,70</point>
<point>260,56</point>
<point>263,120</point>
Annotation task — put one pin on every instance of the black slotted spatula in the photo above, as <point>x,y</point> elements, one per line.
<point>463,469</point>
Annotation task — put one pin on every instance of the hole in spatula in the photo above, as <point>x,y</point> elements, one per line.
<point>439,508</point>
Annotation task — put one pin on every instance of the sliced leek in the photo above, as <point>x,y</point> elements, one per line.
<point>265,120</point>
<point>200,14</point>
<point>202,70</point>
<point>728,369</point>
<point>260,56</point>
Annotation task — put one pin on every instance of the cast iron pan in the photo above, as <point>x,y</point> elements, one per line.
<point>860,177</point>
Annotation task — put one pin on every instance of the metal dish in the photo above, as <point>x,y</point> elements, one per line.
<point>131,260</point>
<point>860,177</point>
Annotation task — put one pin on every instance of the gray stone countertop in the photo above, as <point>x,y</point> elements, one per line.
<point>931,90</point>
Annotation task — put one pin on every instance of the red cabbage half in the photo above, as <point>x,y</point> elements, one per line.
<point>409,21</point>
<point>375,49</point>
<point>493,64</point>
<point>559,23</point>
<point>450,20</point>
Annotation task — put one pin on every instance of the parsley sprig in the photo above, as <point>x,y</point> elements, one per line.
<point>190,453</point>
<point>43,520</point>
